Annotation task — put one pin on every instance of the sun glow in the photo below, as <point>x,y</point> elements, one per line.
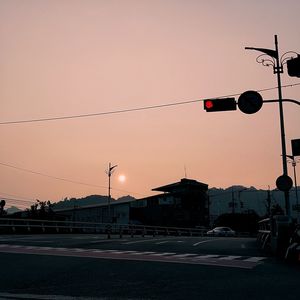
<point>122,178</point>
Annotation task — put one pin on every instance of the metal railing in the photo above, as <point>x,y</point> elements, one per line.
<point>8,225</point>
<point>264,233</point>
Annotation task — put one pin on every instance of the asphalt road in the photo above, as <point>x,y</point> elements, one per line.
<point>93,267</point>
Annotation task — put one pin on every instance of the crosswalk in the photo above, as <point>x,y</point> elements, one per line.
<point>233,261</point>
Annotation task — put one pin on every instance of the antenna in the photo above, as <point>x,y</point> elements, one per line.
<point>185,172</point>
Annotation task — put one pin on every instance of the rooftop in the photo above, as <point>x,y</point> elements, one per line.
<point>182,184</point>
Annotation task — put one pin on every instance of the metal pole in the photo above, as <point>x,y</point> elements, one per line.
<point>296,188</point>
<point>109,173</point>
<point>232,201</point>
<point>278,70</point>
<point>108,200</point>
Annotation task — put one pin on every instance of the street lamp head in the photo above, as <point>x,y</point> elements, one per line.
<point>111,168</point>
<point>269,52</point>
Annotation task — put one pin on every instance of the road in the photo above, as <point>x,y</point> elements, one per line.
<point>94,267</point>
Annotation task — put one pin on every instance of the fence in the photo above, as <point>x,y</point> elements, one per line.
<point>264,233</point>
<point>21,226</point>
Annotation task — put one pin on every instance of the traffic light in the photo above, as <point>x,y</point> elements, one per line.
<point>220,104</point>
<point>296,147</point>
<point>293,66</point>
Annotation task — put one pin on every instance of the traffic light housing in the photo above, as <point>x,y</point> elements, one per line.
<point>224,104</point>
<point>293,66</point>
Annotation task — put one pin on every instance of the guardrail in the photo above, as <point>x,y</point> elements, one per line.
<point>8,225</point>
<point>264,234</point>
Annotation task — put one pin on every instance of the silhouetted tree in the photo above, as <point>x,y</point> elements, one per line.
<point>2,204</point>
<point>41,210</point>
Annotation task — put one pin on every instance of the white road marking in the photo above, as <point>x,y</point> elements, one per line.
<point>208,256</point>
<point>184,255</point>
<point>77,249</point>
<point>15,246</point>
<point>46,248</point>
<point>207,241</point>
<point>163,242</point>
<point>189,258</point>
<point>143,253</point>
<point>142,241</point>
<point>255,259</point>
<point>230,257</point>
<point>164,254</point>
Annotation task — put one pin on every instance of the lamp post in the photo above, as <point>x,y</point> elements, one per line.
<point>239,196</point>
<point>277,63</point>
<point>109,173</point>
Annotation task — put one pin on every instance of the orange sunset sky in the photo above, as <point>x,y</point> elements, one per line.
<point>69,57</point>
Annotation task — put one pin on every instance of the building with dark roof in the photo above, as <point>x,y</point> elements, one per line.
<point>182,204</point>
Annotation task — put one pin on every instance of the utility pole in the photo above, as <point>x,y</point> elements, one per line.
<point>232,201</point>
<point>277,63</point>
<point>269,202</point>
<point>109,173</point>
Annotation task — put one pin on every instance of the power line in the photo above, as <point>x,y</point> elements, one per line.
<point>18,200</point>
<point>50,176</point>
<point>130,109</point>
<point>64,179</point>
<point>14,195</point>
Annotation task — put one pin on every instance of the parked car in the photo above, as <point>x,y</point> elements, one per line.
<point>221,231</point>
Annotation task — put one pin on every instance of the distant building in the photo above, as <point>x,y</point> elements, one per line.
<point>119,211</point>
<point>182,204</point>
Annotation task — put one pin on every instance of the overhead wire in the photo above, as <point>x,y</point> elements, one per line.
<point>110,113</point>
<point>131,109</point>
<point>63,179</point>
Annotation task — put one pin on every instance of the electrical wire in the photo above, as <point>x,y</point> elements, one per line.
<point>18,200</point>
<point>130,109</point>
<point>64,179</point>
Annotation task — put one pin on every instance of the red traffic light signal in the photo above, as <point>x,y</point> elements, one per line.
<point>224,104</point>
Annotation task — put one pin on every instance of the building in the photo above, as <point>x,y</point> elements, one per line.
<point>182,204</point>
<point>119,212</point>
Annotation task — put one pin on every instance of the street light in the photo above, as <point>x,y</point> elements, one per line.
<point>109,172</point>
<point>277,63</point>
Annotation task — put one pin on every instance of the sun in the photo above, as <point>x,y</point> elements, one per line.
<point>122,178</point>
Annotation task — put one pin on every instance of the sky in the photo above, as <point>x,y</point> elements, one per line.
<point>73,57</point>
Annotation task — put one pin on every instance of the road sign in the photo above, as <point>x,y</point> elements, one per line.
<point>296,147</point>
<point>284,183</point>
<point>250,102</point>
